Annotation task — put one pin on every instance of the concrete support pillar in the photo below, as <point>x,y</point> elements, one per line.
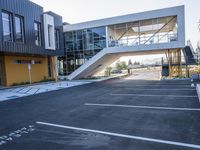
<point>179,63</point>
<point>170,63</point>
<point>175,63</point>
<point>54,68</point>
<point>187,71</point>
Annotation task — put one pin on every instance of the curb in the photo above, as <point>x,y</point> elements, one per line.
<point>115,77</point>
<point>103,79</point>
<point>198,91</point>
<point>26,85</point>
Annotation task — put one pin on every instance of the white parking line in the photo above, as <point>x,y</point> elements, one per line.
<point>161,85</point>
<point>122,135</point>
<point>184,89</point>
<point>144,107</point>
<point>128,94</point>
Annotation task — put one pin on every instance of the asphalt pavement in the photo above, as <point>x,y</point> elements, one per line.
<point>117,114</point>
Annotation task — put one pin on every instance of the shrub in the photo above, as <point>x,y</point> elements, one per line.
<point>15,84</point>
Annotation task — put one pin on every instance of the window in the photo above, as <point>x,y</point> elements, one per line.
<point>37,27</point>
<point>19,29</point>
<point>57,38</point>
<point>27,62</point>
<point>7,26</point>
<point>50,32</point>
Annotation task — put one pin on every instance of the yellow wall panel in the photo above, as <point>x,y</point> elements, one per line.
<point>17,73</point>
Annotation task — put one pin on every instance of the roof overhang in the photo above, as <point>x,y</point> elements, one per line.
<point>172,11</point>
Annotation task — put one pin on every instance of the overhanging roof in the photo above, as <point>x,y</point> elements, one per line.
<point>172,11</point>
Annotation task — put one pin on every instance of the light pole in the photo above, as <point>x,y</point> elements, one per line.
<point>29,72</point>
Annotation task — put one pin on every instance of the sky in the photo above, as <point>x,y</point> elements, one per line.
<point>75,11</point>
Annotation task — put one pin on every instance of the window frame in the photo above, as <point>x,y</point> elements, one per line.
<point>39,33</point>
<point>49,29</point>
<point>10,15</point>
<point>57,38</point>
<point>21,27</point>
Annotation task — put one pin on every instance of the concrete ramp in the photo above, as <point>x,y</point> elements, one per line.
<point>96,64</point>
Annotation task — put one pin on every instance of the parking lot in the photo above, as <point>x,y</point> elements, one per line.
<point>122,114</point>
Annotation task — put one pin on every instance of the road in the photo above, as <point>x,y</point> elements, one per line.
<point>120,114</point>
<point>146,74</point>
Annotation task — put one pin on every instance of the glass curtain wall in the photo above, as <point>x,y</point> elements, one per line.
<point>81,45</point>
<point>152,31</point>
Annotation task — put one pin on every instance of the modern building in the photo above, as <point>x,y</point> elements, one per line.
<point>29,43</point>
<point>92,46</point>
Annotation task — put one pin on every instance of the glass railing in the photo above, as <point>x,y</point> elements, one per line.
<point>143,40</point>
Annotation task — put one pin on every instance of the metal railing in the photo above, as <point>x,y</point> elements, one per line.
<point>189,43</point>
<point>194,52</point>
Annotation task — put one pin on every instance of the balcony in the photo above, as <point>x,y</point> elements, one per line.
<point>152,31</point>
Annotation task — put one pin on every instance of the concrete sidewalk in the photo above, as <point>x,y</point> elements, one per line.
<point>7,93</point>
<point>21,91</point>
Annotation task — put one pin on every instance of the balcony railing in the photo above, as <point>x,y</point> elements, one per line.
<point>143,40</point>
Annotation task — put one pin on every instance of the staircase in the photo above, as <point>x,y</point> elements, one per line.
<point>189,54</point>
<point>190,57</point>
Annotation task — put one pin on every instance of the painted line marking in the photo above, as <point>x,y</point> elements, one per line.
<point>28,90</point>
<point>122,135</point>
<point>143,107</point>
<point>160,85</point>
<point>36,91</point>
<point>128,94</point>
<point>16,134</point>
<point>161,89</point>
<point>20,90</point>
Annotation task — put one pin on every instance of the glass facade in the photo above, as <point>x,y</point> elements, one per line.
<point>81,45</point>
<point>151,31</point>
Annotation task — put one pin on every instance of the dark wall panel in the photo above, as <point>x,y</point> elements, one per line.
<point>31,12</point>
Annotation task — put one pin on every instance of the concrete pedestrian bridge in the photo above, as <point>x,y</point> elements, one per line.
<point>92,46</point>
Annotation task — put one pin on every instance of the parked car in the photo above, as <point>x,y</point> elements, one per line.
<point>116,71</point>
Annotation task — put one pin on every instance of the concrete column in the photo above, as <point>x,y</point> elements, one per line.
<point>179,63</point>
<point>54,67</point>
